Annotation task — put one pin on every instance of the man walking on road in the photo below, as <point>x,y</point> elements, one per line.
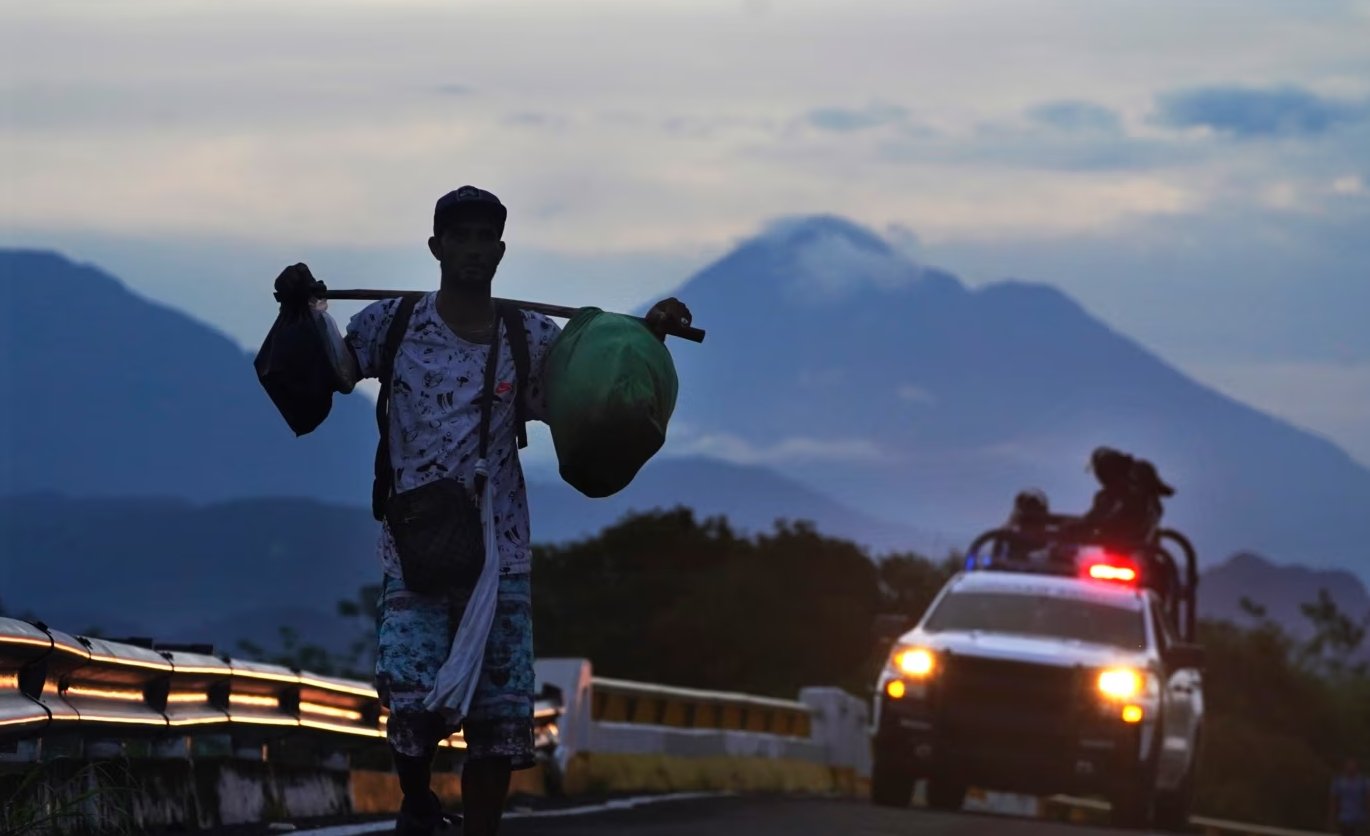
<point>1351,801</point>
<point>456,400</point>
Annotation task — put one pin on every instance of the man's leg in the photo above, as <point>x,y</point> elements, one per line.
<point>499,730</point>
<point>412,644</point>
<point>484,789</point>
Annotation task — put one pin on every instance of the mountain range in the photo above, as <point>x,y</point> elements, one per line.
<point>125,397</point>
<point>896,389</point>
<point>1280,590</point>
<point>840,383</point>
<point>172,567</point>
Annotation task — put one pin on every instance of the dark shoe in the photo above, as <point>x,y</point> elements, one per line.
<point>424,818</point>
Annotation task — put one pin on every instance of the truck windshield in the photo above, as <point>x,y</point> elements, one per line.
<point>1036,615</point>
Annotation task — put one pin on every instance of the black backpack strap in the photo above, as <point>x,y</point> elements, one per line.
<point>517,333</point>
<point>385,473</point>
<point>487,408</point>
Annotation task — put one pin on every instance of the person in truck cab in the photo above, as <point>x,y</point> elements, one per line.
<point>1031,528</point>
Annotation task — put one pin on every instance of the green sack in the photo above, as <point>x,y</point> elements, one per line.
<point>611,389</point>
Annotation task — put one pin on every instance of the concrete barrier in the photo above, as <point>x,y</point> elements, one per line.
<point>625,736</point>
<point>841,727</point>
<point>599,772</point>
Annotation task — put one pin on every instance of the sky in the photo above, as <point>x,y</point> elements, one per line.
<point>1197,175</point>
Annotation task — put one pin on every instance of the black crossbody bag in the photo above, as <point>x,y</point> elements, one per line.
<point>437,527</point>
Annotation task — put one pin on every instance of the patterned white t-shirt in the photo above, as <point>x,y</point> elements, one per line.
<point>435,413</point>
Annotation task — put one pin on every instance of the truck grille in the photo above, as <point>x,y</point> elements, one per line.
<point>971,685</point>
<point>991,711</point>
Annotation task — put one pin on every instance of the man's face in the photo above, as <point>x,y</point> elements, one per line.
<point>469,250</point>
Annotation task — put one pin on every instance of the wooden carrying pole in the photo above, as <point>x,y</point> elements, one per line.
<point>685,332</point>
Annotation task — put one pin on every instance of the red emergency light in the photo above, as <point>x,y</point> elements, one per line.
<point>1104,572</point>
<point>1111,568</point>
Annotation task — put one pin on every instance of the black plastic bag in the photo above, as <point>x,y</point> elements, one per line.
<point>297,365</point>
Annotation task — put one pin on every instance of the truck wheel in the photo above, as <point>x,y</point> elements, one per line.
<point>1172,807</point>
<point>1131,805</point>
<point>946,793</point>
<point>892,780</point>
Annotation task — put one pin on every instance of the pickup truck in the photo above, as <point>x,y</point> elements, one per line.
<point>1042,680</point>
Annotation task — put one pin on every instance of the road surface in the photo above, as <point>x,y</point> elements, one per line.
<point>751,816</point>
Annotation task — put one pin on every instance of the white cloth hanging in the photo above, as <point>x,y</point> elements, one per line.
<point>456,680</point>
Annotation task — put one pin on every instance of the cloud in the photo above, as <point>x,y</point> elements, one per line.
<point>1076,151</point>
<point>1046,453</point>
<point>1064,135</point>
<point>713,127</point>
<point>845,120</point>
<point>1076,116</point>
<point>790,450</point>
<point>1350,184</point>
<point>1235,282</point>
<point>307,144</point>
<point>830,263</point>
<point>822,378</point>
<point>903,239</point>
<point>532,119</point>
<point>908,393</point>
<point>1250,113</point>
<point>832,258</point>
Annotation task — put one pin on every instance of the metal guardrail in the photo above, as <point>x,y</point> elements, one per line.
<point>52,683</point>
<point>621,701</point>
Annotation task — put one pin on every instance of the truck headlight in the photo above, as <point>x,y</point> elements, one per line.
<point>916,662</point>
<point>1120,683</point>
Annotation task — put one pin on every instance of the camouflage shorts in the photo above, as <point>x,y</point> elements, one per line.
<point>415,635</point>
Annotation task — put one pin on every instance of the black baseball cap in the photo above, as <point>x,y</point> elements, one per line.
<point>466,202</point>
